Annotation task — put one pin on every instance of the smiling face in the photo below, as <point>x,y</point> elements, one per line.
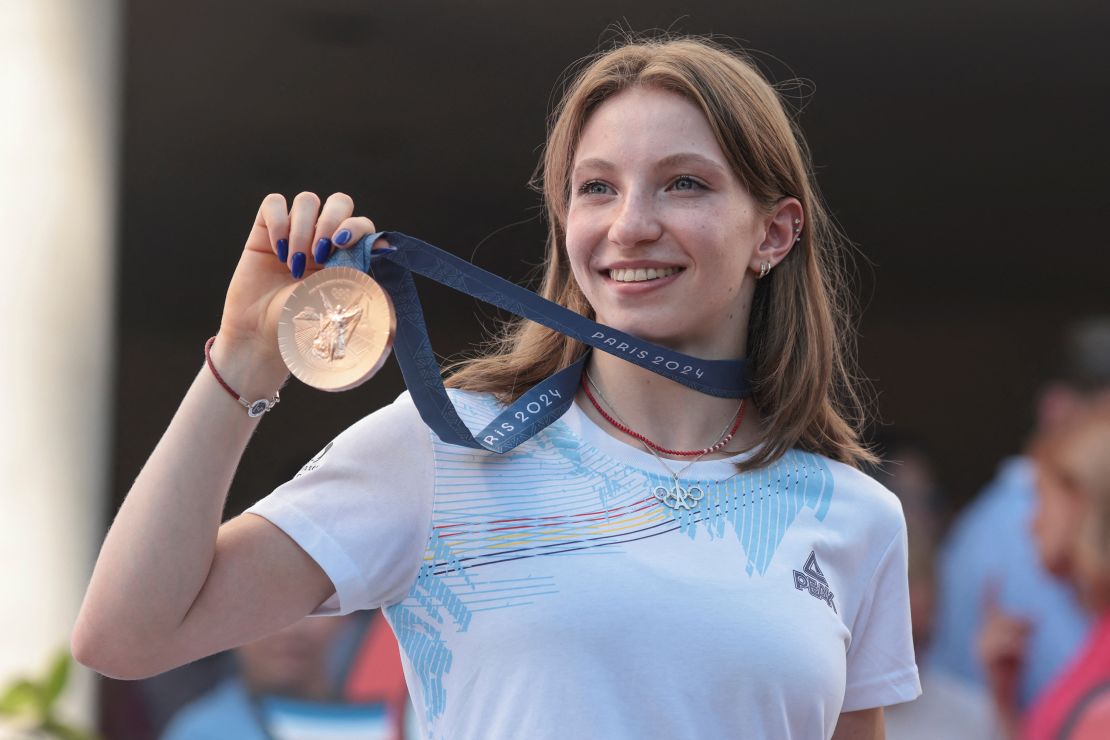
<point>660,233</point>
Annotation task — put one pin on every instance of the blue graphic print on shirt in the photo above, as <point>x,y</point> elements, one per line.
<point>558,496</point>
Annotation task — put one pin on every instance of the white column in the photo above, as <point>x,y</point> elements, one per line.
<point>59,96</point>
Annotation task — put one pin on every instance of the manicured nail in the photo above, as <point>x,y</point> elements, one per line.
<point>298,264</point>
<point>283,249</point>
<point>343,237</point>
<point>323,247</point>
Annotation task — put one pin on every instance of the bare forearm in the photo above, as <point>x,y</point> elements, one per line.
<point>159,550</point>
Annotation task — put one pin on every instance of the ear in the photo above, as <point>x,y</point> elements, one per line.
<point>783,229</point>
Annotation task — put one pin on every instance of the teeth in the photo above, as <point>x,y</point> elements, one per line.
<point>629,275</point>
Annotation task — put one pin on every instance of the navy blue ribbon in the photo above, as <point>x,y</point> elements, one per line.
<point>546,401</point>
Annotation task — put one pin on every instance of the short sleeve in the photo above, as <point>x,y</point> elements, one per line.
<point>361,508</point>
<point>881,665</point>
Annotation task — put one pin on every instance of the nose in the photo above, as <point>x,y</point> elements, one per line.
<point>636,221</point>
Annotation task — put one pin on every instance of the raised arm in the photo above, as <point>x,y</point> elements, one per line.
<point>171,584</point>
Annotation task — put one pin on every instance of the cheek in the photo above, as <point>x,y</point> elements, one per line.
<point>577,241</point>
<point>579,261</point>
<point>582,241</point>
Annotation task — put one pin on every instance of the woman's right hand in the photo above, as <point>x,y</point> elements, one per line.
<point>285,245</point>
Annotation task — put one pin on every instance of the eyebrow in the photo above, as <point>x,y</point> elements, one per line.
<point>672,160</point>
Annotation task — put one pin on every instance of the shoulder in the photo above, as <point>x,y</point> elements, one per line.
<point>398,433</point>
<point>865,491</point>
<point>863,505</point>
<point>400,415</point>
<point>394,429</point>
<point>1004,503</point>
<point>399,428</point>
<point>1011,490</point>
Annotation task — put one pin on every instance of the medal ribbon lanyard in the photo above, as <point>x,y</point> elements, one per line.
<point>546,401</point>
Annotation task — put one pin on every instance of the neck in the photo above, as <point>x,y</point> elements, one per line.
<point>668,413</point>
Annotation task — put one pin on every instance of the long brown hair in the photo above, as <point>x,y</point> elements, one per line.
<point>800,341</point>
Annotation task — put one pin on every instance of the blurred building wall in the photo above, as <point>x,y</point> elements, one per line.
<point>58,162</point>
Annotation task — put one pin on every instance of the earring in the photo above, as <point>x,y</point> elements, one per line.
<point>797,230</point>
<point>764,268</point>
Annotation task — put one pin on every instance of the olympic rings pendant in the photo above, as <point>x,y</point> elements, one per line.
<point>679,497</point>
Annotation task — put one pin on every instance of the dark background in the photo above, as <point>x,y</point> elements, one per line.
<point>962,146</point>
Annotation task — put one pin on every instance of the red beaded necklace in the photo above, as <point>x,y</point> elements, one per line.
<point>721,443</point>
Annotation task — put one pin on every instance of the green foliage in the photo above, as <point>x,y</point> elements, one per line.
<point>30,704</point>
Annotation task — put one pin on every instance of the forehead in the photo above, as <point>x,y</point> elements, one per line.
<point>646,123</point>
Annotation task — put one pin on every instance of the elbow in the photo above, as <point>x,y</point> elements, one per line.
<point>90,652</point>
<point>106,655</point>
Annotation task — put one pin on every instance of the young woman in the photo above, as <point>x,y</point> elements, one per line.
<point>552,591</point>
<point>1072,531</point>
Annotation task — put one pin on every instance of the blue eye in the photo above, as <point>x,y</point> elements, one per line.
<point>686,183</point>
<point>593,187</point>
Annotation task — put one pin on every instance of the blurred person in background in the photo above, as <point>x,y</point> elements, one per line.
<point>989,556</point>
<point>1072,533</point>
<point>949,707</point>
<point>287,687</point>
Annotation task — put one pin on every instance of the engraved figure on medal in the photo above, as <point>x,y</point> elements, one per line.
<point>335,324</point>
<point>336,329</point>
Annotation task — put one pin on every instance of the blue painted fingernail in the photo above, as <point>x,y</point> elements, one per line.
<point>343,237</point>
<point>283,249</point>
<point>298,264</point>
<point>323,247</point>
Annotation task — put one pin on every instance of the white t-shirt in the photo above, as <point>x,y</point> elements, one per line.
<point>545,593</point>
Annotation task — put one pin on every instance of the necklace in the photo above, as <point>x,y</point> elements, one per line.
<point>677,496</point>
<point>724,439</point>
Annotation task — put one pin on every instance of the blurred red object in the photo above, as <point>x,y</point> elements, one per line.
<point>376,675</point>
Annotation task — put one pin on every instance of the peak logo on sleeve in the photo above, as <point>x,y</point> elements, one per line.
<point>811,579</point>
<point>314,462</point>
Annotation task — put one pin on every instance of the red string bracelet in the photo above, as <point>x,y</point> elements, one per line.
<point>723,441</point>
<point>255,409</point>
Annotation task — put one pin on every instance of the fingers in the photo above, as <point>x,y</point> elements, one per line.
<point>1002,640</point>
<point>271,227</point>
<point>302,228</point>
<point>351,231</point>
<point>304,235</point>
<point>338,209</point>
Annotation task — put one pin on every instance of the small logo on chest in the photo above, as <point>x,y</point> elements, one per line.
<point>811,579</point>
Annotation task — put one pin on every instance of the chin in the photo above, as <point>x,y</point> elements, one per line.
<point>651,333</point>
<point>652,327</point>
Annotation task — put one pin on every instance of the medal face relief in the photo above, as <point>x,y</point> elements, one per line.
<point>336,329</point>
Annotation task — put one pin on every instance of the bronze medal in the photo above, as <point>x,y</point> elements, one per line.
<point>336,329</point>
